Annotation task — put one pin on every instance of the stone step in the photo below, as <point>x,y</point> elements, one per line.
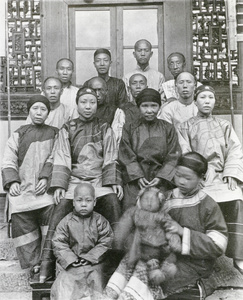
<point>16,296</point>
<point>13,278</point>
<point>7,249</point>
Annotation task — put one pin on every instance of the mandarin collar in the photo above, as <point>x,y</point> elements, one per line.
<point>140,69</point>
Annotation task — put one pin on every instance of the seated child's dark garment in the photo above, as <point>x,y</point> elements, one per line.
<point>76,238</point>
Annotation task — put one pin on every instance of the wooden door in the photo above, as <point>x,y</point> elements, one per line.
<point>116,28</point>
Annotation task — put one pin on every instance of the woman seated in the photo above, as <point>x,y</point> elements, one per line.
<point>148,150</point>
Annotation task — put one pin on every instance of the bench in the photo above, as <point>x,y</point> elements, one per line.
<point>41,291</point>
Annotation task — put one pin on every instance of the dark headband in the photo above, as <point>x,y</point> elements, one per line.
<point>85,91</point>
<point>38,98</point>
<point>148,95</point>
<point>194,164</point>
<point>203,88</point>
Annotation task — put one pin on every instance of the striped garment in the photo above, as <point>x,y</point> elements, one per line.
<point>85,151</point>
<point>26,161</point>
<point>216,140</point>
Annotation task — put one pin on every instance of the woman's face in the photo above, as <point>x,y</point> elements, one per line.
<point>205,102</point>
<point>87,106</point>
<point>38,113</point>
<point>186,179</point>
<point>149,110</point>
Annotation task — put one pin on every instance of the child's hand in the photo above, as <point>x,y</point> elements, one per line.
<point>173,227</point>
<point>41,186</point>
<point>84,262</point>
<point>76,264</point>
<point>80,262</point>
<point>14,189</point>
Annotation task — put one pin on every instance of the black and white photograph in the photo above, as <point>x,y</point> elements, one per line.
<point>121,125</point>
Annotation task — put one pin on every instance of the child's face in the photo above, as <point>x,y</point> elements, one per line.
<point>38,113</point>
<point>84,201</point>
<point>205,102</point>
<point>186,179</point>
<point>150,201</point>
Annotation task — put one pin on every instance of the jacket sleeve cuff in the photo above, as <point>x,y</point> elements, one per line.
<point>186,241</point>
<point>9,176</point>
<point>134,171</point>
<point>46,171</point>
<point>59,178</point>
<point>69,259</point>
<point>109,174</point>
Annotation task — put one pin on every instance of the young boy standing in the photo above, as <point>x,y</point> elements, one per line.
<point>80,242</point>
<point>25,171</point>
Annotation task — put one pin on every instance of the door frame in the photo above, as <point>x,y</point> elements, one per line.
<point>176,29</point>
<point>116,33</point>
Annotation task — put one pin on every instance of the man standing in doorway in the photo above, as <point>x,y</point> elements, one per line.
<point>142,53</point>
<point>116,91</point>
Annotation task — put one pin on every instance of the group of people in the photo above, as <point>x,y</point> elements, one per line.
<point>130,188</point>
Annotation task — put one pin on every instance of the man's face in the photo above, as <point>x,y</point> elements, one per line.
<point>143,53</point>
<point>38,113</point>
<point>53,90</point>
<point>65,71</point>
<point>100,90</point>
<point>87,106</point>
<point>205,102</point>
<point>136,85</point>
<point>102,63</point>
<point>84,201</point>
<point>185,85</point>
<point>149,110</point>
<point>176,65</point>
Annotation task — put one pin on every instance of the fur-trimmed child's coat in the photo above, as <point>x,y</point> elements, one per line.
<point>141,234</point>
